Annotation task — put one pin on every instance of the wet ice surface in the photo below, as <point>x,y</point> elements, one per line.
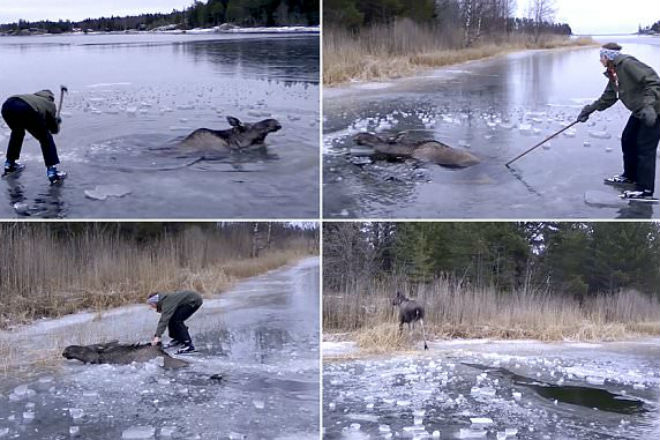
<point>469,391</point>
<point>261,338</point>
<point>132,97</point>
<point>496,109</point>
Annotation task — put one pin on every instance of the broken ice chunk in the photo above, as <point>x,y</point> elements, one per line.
<point>600,134</point>
<point>76,413</point>
<point>481,421</point>
<point>139,433</point>
<point>259,404</point>
<point>472,433</point>
<point>595,380</point>
<point>167,431</point>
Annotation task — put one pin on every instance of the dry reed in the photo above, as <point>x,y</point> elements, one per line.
<point>455,310</point>
<point>402,48</point>
<point>45,275</point>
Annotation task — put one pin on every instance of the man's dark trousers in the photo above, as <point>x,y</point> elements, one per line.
<point>20,117</point>
<point>177,329</point>
<point>639,143</point>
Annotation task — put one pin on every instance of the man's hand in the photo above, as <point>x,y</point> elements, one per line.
<point>648,115</point>
<point>584,114</point>
<point>155,340</point>
<point>58,120</point>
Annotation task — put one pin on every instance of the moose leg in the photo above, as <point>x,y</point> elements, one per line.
<point>426,347</point>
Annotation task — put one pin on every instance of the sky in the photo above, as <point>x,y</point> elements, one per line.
<point>603,16</point>
<point>35,10</point>
<point>584,16</point>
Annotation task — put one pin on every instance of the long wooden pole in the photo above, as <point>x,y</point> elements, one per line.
<point>540,143</point>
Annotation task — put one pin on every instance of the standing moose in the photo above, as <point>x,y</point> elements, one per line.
<point>410,311</point>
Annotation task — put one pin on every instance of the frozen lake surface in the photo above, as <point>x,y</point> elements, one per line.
<point>496,109</point>
<point>497,390</point>
<point>261,337</point>
<point>132,95</point>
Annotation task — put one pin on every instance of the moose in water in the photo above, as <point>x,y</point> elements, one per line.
<point>410,311</point>
<point>115,353</point>
<point>429,150</point>
<point>240,136</point>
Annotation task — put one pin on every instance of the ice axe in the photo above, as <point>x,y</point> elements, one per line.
<point>540,143</point>
<point>62,90</point>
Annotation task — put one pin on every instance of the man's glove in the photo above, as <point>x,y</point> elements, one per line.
<point>584,114</point>
<point>648,115</point>
<point>58,120</point>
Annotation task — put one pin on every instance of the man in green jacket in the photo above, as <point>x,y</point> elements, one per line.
<point>175,308</point>
<point>36,114</point>
<point>638,87</point>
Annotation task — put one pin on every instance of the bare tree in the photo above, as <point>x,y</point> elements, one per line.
<point>541,11</point>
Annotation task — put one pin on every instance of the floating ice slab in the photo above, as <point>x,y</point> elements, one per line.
<point>486,391</point>
<point>595,380</point>
<point>259,404</point>
<point>167,431</point>
<point>76,413</point>
<point>74,431</point>
<point>138,433</point>
<point>481,421</point>
<point>600,134</point>
<point>28,415</point>
<point>102,192</point>
<point>472,433</point>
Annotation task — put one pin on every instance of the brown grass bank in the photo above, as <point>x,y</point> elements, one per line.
<point>404,47</point>
<point>47,273</point>
<point>461,311</point>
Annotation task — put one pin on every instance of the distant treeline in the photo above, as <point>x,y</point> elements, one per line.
<point>653,29</point>
<point>573,259</point>
<point>476,18</point>
<point>200,14</point>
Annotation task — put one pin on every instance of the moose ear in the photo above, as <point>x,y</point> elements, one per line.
<point>397,137</point>
<point>234,122</point>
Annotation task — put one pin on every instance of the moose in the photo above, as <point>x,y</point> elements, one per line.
<point>115,353</point>
<point>410,311</point>
<point>240,136</point>
<point>431,151</point>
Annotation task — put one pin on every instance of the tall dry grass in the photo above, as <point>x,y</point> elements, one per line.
<point>403,47</point>
<point>46,275</point>
<point>455,310</point>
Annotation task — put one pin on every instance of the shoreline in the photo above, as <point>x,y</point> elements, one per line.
<point>337,348</point>
<point>416,64</point>
<point>195,31</point>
